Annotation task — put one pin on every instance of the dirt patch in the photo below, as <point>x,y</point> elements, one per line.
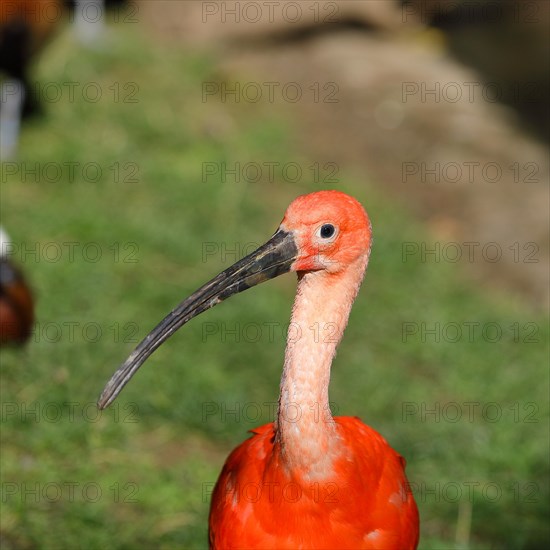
<point>399,110</point>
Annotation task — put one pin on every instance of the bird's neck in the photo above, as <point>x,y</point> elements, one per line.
<point>306,430</point>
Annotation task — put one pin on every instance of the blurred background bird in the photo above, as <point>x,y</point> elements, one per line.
<point>24,31</point>
<point>26,27</point>
<point>16,300</point>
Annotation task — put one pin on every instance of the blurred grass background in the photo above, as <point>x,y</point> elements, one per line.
<point>142,471</point>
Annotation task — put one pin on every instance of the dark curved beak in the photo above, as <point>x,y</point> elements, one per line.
<point>272,259</point>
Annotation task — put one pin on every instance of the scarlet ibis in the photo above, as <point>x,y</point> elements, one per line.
<point>16,301</point>
<point>307,480</point>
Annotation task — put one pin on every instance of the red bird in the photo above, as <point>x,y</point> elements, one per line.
<point>307,480</point>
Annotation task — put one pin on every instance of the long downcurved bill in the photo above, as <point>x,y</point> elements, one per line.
<point>273,258</point>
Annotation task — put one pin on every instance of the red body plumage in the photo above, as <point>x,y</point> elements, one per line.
<point>366,503</point>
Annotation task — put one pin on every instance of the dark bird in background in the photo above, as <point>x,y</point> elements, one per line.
<point>16,300</point>
<point>25,28</point>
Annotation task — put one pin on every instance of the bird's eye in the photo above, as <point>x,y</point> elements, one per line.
<point>327,231</point>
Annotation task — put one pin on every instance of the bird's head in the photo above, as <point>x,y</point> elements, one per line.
<point>331,231</point>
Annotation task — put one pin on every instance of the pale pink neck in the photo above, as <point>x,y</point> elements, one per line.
<point>305,427</point>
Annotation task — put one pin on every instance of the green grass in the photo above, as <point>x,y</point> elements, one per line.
<point>138,475</point>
